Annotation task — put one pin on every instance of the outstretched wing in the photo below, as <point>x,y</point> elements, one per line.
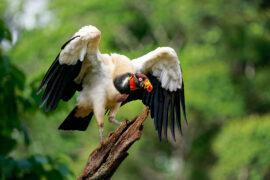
<point>61,80</point>
<point>165,101</point>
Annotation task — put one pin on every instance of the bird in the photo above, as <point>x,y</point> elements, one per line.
<point>106,82</point>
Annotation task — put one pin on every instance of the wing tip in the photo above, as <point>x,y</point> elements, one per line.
<point>66,43</point>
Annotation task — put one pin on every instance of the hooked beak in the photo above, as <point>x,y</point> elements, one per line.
<point>147,85</point>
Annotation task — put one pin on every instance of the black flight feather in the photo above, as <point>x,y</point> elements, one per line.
<point>155,107</point>
<point>59,91</point>
<point>165,113</point>
<point>59,83</point>
<point>75,123</point>
<point>171,106</point>
<point>182,99</point>
<point>55,90</point>
<point>69,92</point>
<point>160,112</point>
<point>178,110</point>
<point>164,105</point>
<point>54,68</point>
<point>49,89</point>
<point>71,70</point>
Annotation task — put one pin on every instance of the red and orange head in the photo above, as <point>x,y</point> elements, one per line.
<point>139,80</point>
<point>130,82</point>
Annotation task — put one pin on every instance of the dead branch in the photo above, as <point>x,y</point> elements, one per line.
<point>104,160</point>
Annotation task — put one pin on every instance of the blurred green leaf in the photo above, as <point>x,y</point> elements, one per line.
<point>7,144</point>
<point>4,31</point>
<point>12,99</point>
<point>242,148</point>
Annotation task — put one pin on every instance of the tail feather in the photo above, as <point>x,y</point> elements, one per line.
<point>75,123</point>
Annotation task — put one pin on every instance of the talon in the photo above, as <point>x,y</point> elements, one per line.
<point>113,120</point>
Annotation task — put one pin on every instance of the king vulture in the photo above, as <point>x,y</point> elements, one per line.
<point>106,82</point>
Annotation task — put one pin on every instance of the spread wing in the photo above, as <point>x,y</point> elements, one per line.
<point>167,99</point>
<point>63,79</point>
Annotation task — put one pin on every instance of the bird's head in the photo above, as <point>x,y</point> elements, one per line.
<point>131,82</point>
<point>138,81</point>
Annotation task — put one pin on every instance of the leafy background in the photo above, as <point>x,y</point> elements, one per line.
<point>224,48</point>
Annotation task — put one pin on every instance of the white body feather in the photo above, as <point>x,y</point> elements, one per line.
<point>99,71</point>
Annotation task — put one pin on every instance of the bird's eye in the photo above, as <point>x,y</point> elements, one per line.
<point>140,79</point>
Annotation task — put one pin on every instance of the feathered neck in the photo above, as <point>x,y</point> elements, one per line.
<point>122,83</point>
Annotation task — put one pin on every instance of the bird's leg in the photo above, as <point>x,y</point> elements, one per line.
<point>112,114</point>
<point>99,114</point>
<point>101,133</point>
<point>113,120</point>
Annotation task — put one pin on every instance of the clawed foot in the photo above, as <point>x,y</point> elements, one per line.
<point>113,120</point>
<point>121,97</point>
<point>102,139</point>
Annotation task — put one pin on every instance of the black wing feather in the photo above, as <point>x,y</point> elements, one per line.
<point>160,112</point>
<point>172,116</point>
<point>59,83</point>
<point>178,111</point>
<point>182,99</point>
<point>75,123</point>
<point>155,107</point>
<point>165,106</point>
<point>59,90</point>
<point>165,113</point>
<point>50,86</point>
<point>53,89</point>
<point>50,73</point>
<point>69,92</point>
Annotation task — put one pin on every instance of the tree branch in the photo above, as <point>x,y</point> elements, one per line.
<point>104,160</point>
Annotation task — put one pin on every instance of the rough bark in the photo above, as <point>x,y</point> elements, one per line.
<point>104,160</point>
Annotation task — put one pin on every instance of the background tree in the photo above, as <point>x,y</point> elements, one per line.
<point>13,106</point>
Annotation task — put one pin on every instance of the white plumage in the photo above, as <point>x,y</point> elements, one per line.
<point>164,64</point>
<point>80,63</point>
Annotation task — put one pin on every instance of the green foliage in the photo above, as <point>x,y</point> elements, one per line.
<point>34,167</point>
<point>242,148</point>
<point>12,101</point>
<point>4,33</point>
<point>211,93</point>
<point>11,84</point>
